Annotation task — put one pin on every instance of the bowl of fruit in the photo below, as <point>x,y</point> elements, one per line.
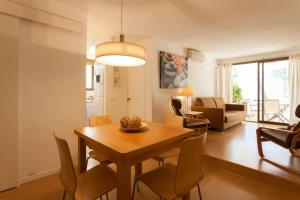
<point>132,124</point>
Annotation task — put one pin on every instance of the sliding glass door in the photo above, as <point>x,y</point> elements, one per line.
<point>245,88</point>
<point>263,87</point>
<point>274,91</point>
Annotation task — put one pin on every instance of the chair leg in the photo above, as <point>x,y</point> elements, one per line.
<point>133,190</point>
<point>187,196</point>
<point>137,185</point>
<point>295,140</point>
<point>107,196</point>
<point>87,160</point>
<point>199,192</point>
<point>258,140</point>
<point>64,196</point>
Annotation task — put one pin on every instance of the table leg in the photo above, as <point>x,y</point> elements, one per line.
<point>124,180</point>
<point>81,155</point>
<point>138,169</point>
<point>187,196</point>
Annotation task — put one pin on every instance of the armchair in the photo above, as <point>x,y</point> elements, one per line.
<point>188,122</point>
<point>288,137</point>
<point>179,119</point>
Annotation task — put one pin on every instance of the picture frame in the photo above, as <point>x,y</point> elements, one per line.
<point>173,70</point>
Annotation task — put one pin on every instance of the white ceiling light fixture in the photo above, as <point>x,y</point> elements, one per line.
<point>121,53</point>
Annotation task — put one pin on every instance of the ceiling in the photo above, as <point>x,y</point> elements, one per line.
<point>219,28</point>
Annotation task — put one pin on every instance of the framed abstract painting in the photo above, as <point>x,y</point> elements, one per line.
<point>173,70</point>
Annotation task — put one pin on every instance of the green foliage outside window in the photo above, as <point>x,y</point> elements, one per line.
<point>237,93</point>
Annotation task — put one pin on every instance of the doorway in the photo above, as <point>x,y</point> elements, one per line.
<point>263,87</point>
<point>94,89</point>
<point>125,92</point>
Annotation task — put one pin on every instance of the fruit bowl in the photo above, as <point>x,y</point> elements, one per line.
<point>139,129</point>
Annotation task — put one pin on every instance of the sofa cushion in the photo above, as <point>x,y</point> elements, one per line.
<point>231,116</point>
<point>219,102</point>
<point>207,102</point>
<point>197,102</point>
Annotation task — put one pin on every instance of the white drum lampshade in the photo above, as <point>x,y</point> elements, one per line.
<point>123,54</point>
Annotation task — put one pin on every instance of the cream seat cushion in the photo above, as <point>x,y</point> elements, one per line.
<point>207,102</point>
<point>231,116</point>
<point>219,102</point>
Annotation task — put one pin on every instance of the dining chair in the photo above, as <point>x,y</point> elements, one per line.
<point>98,121</point>
<point>91,184</point>
<point>174,121</point>
<point>170,181</point>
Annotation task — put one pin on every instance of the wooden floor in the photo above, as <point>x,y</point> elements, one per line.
<point>237,145</point>
<point>218,184</point>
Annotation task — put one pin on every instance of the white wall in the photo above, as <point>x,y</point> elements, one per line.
<point>49,49</point>
<point>51,96</point>
<point>8,101</point>
<point>201,79</point>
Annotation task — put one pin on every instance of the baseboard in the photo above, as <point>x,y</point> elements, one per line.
<point>37,175</point>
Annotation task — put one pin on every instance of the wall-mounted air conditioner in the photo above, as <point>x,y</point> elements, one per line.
<point>195,55</point>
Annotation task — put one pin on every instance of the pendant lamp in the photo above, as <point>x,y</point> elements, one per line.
<point>121,53</point>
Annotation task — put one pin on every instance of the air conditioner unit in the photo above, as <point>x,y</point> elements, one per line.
<point>195,55</point>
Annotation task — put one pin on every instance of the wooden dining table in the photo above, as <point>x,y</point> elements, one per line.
<point>126,149</point>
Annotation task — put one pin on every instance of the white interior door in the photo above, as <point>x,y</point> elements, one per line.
<point>137,91</point>
<point>125,92</point>
<point>115,92</point>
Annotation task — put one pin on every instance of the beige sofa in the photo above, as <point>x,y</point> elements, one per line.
<point>220,115</point>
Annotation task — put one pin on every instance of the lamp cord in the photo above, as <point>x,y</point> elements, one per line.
<point>121,16</point>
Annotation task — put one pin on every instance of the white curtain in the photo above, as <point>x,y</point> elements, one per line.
<point>294,86</point>
<point>224,82</point>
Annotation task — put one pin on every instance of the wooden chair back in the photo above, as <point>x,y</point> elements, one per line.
<point>176,105</point>
<point>189,167</point>
<point>297,111</point>
<point>100,120</point>
<point>67,173</point>
<point>174,120</point>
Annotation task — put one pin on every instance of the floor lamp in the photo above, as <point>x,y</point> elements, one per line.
<point>186,92</point>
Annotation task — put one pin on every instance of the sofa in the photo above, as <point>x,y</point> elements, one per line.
<point>220,115</point>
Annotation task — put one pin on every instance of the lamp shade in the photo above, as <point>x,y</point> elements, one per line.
<point>123,54</point>
<point>186,91</point>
